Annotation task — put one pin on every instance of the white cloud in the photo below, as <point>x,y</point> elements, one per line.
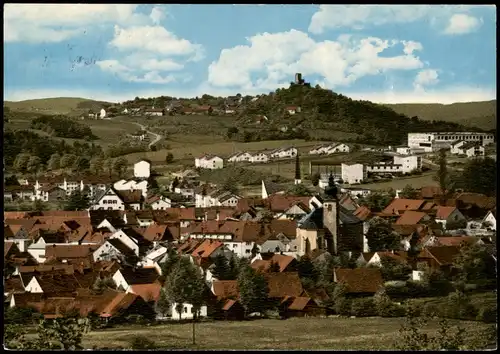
<point>152,49</point>
<point>424,78</point>
<point>444,96</point>
<point>35,23</point>
<point>359,16</point>
<point>157,15</point>
<point>274,58</point>
<point>461,24</point>
<point>154,39</point>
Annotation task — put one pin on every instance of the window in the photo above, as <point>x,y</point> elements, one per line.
<point>248,243</point>
<point>185,309</point>
<point>104,201</point>
<point>247,251</point>
<point>234,245</point>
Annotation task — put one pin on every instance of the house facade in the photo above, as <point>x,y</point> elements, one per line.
<point>353,174</point>
<point>142,169</point>
<point>109,201</point>
<point>209,162</point>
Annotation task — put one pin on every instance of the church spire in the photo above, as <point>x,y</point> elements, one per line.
<point>297,170</point>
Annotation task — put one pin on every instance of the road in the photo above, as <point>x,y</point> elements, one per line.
<point>157,136</point>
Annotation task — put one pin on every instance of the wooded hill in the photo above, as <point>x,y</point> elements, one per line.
<point>474,114</point>
<point>332,113</point>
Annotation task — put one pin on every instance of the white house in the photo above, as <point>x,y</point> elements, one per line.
<point>158,203</point>
<point>283,153</point>
<point>408,163</point>
<point>403,150</point>
<point>259,157</point>
<point>356,192</point>
<point>490,220</point>
<point>455,148</point>
<point>102,114</point>
<point>187,312</point>
<point>334,148</point>
<point>142,169</point>
<point>473,150</point>
<point>127,240</point>
<point>34,286</point>
<point>124,185</point>
<point>435,141</point>
<point>111,249</point>
<point>209,161</point>
<point>108,201</point>
<point>292,109</point>
<point>448,214</point>
<point>319,149</point>
<point>353,174</point>
<point>240,157</point>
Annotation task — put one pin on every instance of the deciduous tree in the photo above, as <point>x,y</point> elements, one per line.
<point>380,236</point>
<point>254,291</point>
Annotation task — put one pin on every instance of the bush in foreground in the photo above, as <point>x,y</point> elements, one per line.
<point>363,308</point>
<point>141,342</point>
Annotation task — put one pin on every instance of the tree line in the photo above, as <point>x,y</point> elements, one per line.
<point>62,127</point>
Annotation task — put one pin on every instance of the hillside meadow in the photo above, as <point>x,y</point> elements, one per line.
<point>474,114</point>
<point>369,333</point>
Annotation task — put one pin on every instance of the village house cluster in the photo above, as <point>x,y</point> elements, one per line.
<point>54,258</point>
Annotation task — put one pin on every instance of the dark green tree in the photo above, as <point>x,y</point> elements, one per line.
<point>254,291</point>
<point>478,176</point>
<point>394,270</point>
<point>11,181</point>
<point>381,237</point>
<point>221,270</point>
<point>77,201</point>
<point>376,202</point>
<point>442,176</point>
<point>307,269</point>
<point>169,158</point>
<point>175,183</point>
<point>299,190</point>
<point>234,269</point>
<point>170,262</point>
<point>315,178</point>
<point>409,192</point>
<point>475,263</point>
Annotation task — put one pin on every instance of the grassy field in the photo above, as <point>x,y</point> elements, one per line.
<point>108,131</point>
<point>189,149</point>
<point>59,105</point>
<point>478,114</point>
<point>425,179</point>
<point>296,333</point>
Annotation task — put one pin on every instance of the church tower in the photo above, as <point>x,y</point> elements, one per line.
<point>297,170</point>
<point>331,216</point>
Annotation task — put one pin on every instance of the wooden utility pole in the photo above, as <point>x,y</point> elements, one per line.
<point>194,332</point>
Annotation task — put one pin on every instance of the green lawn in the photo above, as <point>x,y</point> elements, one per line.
<point>297,333</point>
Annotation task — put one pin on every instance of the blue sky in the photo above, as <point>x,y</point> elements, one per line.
<point>384,53</point>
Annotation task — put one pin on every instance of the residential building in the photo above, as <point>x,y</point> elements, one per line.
<point>490,220</point>
<point>408,163</point>
<point>240,157</point>
<point>257,157</point>
<point>283,153</point>
<point>403,150</point>
<point>142,169</point>
<point>352,174</point>
<point>456,147</point>
<point>211,162</point>
<point>473,150</point>
<point>131,185</point>
<point>334,148</point>
<point>154,112</point>
<point>449,215</point>
<point>158,202</point>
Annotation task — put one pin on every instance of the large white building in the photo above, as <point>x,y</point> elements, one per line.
<point>435,141</point>
<point>353,174</point>
<point>142,169</point>
<point>408,163</point>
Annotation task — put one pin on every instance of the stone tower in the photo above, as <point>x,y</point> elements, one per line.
<point>297,170</point>
<point>331,216</point>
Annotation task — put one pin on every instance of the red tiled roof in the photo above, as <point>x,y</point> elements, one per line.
<point>120,302</point>
<point>284,284</point>
<point>69,251</point>
<point>206,248</point>
<point>398,204</point>
<point>360,280</point>
<point>410,217</point>
<point>443,212</point>
<point>362,213</point>
<point>224,289</point>
<point>456,240</point>
<point>430,192</point>
<point>444,255</point>
<point>299,303</point>
<point>149,292</point>
<point>281,203</point>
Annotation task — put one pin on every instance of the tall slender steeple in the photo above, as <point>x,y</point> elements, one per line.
<point>297,170</point>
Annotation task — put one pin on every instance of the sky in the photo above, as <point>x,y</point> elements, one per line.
<point>381,53</point>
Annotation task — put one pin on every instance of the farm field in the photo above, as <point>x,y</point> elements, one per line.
<point>370,333</point>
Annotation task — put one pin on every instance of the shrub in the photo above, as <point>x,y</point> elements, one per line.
<point>17,315</point>
<point>413,308</point>
<point>431,309</point>
<point>343,306</point>
<point>458,306</point>
<point>487,314</point>
<point>363,307</point>
<point>141,342</point>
